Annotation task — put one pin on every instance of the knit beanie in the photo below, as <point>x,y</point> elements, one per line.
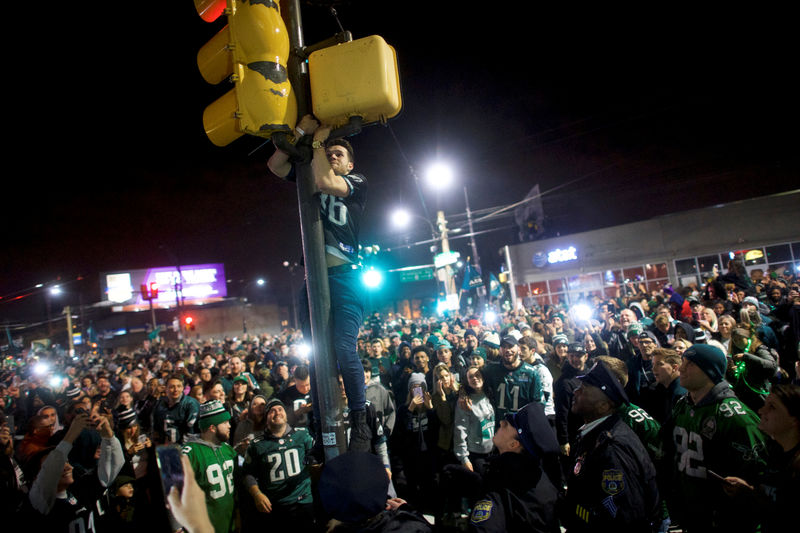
<point>710,359</point>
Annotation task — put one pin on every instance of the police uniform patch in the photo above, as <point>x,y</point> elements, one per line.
<point>482,511</point>
<point>613,481</point>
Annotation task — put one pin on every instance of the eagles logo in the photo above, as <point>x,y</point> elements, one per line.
<point>709,427</point>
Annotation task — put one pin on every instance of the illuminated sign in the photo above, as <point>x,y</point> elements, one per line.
<point>194,285</point>
<point>560,256</point>
<point>445,258</point>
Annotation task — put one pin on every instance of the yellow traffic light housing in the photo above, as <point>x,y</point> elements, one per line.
<point>355,79</point>
<point>253,50</point>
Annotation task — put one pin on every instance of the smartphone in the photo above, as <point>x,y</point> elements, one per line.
<point>142,439</point>
<point>418,391</point>
<point>170,467</point>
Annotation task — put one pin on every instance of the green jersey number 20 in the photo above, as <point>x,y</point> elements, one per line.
<point>283,465</point>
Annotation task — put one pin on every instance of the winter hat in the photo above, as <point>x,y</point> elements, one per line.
<point>491,339</point>
<point>750,300</point>
<point>634,329</point>
<point>211,414</point>
<point>354,486</point>
<point>710,359</point>
<point>700,336</point>
<point>416,378</point>
<point>73,392</point>
<point>272,403</point>
<point>126,419</point>
<point>560,339</point>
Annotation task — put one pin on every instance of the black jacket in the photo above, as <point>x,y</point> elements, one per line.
<point>613,484</point>
<point>519,497</point>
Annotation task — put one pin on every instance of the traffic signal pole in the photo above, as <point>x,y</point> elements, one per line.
<point>325,367</point>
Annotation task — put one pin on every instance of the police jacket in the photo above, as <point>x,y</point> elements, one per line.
<point>613,484</point>
<point>519,497</point>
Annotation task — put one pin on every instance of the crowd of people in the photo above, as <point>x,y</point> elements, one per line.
<point>678,408</point>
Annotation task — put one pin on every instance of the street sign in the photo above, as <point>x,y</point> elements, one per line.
<point>421,274</point>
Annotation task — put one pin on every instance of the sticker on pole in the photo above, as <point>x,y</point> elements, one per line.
<point>329,439</point>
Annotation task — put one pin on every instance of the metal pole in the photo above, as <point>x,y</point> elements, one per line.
<point>68,312</point>
<point>326,372</point>
<point>476,258</point>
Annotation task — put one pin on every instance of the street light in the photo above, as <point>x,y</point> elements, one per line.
<point>439,175</point>
<point>260,282</point>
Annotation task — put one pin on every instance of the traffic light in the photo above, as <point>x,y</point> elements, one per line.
<point>252,49</point>
<point>153,290</point>
<point>189,323</point>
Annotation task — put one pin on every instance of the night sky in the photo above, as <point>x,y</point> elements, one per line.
<point>617,116</point>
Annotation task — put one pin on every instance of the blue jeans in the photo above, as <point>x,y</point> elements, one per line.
<point>347,314</point>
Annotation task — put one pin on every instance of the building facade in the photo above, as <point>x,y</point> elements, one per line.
<point>679,249</point>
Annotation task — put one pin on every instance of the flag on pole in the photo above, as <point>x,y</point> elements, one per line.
<point>472,278</point>
<point>495,288</point>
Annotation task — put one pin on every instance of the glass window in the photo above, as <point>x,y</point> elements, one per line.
<point>685,267</point>
<point>633,273</point>
<point>656,285</point>
<point>754,256</point>
<point>610,292</point>
<point>583,282</point>
<point>780,253</point>
<point>706,263</point>
<point>556,285</point>
<point>612,277</point>
<point>796,250</point>
<point>538,288</point>
<point>656,271</point>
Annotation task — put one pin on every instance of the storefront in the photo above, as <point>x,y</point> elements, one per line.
<point>680,249</point>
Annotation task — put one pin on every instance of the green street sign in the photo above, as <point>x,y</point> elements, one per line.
<point>421,274</point>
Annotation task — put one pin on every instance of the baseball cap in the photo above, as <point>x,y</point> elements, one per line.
<point>510,340</point>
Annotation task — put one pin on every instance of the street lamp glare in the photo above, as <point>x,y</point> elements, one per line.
<point>440,175</point>
<point>55,290</point>
<point>260,281</point>
<point>401,218</point>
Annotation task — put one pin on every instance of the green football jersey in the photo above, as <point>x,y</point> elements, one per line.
<point>512,389</point>
<point>278,463</point>
<point>717,437</point>
<point>645,426</point>
<point>213,469</point>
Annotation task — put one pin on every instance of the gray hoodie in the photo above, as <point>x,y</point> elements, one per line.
<point>473,429</point>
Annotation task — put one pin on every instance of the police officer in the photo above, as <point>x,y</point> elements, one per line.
<point>519,493</point>
<point>612,486</point>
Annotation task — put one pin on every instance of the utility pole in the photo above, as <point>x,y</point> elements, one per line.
<point>325,366</point>
<point>68,313</point>
<point>476,258</point>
